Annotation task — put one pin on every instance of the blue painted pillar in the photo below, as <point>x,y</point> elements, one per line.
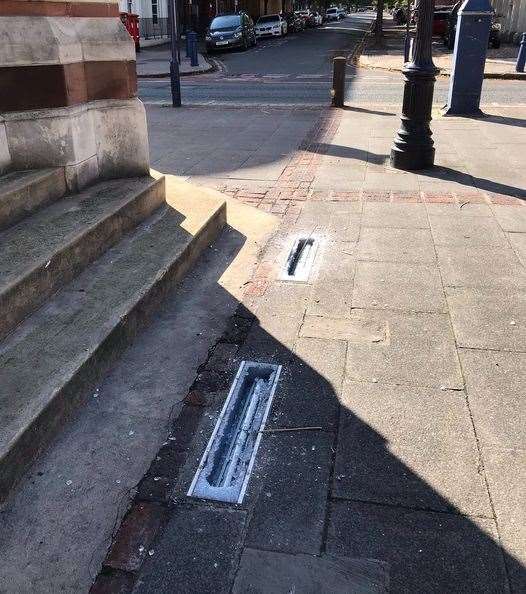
<point>469,57</point>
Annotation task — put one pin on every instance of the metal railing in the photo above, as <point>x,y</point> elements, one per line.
<point>153,30</point>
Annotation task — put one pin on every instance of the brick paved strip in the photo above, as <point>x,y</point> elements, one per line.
<point>136,533</point>
<point>149,510</point>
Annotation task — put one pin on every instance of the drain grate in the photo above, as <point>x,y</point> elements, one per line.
<point>300,259</point>
<point>225,467</point>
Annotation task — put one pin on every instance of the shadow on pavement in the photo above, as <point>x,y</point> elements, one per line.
<point>326,481</point>
<point>447,174</point>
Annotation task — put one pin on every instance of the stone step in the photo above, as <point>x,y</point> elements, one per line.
<point>45,251</point>
<point>50,364</point>
<point>24,192</point>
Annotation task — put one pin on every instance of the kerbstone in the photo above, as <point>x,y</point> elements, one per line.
<point>426,551</point>
<point>495,388</point>
<point>488,317</point>
<point>408,446</point>
<point>398,285</point>
<point>420,351</point>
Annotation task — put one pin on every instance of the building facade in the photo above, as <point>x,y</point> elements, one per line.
<point>194,14</point>
<point>69,91</point>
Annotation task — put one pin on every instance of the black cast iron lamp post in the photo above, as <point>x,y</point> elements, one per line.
<point>413,145</point>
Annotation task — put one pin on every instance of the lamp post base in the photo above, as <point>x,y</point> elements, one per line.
<point>413,145</point>
<point>412,158</point>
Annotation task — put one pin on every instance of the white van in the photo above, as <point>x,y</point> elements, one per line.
<point>332,14</point>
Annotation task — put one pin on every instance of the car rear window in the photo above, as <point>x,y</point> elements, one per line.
<point>269,18</point>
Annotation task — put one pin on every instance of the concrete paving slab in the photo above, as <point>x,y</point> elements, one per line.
<point>392,181</point>
<point>330,298</point>
<point>481,266</point>
<point>398,285</point>
<point>355,330</point>
<point>511,218</point>
<point>396,245</point>
<point>197,552</point>
<point>488,317</point>
<point>270,340</point>
<point>495,388</point>
<point>303,398</point>
<point>379,214</point>
<point>336,262</point>
<point>506,475</point>
<point>343,226</point>
<point>420,352</point>
<point>291,298</point>
<point>326,357</point>
<point>267,572</point>
<point>427,552</point>
<point>460,230</point>
<point>471,209</point>
<point>408,446</point>
<point>518,242</point>
<point>289,488</point>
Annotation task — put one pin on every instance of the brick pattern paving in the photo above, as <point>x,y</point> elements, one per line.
<point>287,195</point>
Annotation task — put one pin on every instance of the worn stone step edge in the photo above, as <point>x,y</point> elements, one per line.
<point>60,403</point>
<point>75,251</point>
<point>24,192</point>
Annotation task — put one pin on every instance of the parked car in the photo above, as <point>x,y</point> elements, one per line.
<point>451,29</point>
<point>440,20</point>
<point>271,25</point>
<point>306,15</point>
<point>317,18</point>
<point>294,22</point>
<point>301,14</point>
<point>341,13</point>
<point>332,14</point>
<point>230,30</point>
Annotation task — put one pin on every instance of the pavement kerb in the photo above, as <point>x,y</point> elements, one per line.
<point>354,56</point>
<point>447,73</point>
<point>212,67</point>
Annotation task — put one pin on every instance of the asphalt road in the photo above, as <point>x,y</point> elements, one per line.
<point>296,70</point>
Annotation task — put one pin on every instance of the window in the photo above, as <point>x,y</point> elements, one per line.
<point>155,12</point>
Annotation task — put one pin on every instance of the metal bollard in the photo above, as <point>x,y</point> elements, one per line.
<point>187,44</point>
<point>193,49</point>
<point>521,58</point>
<point>338,81</point>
